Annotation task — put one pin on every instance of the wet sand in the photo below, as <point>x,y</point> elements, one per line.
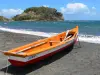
<point>84,60</point>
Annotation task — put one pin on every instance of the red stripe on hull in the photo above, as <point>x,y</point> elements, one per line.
<point>19,63</point>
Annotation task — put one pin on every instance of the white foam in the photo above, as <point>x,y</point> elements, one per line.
<point>23,31</point>
<point>82,37</point>
<point>89,38</point>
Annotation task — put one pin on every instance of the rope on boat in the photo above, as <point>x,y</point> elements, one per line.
<point>7,66</point>
<point>78,41</point>
<point>2,59</point>
<point>6,62</point>
<point>1,51</point>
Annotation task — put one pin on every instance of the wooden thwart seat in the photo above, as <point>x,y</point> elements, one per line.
<point>54,41</point>
<point>67,38</point>
<point>30,47</point>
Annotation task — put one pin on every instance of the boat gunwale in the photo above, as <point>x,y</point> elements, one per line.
<point>44,49</point>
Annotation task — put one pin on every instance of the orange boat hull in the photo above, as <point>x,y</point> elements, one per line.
<point>20,64</point>
<point>41,49</point>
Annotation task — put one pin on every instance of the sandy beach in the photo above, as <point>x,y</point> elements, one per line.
<point>84,60</point>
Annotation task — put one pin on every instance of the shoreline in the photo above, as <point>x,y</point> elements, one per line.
<point>12,40</point>
<point>78,61</point>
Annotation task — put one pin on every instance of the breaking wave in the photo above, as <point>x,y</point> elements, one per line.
<point>82,37</point>
<point>89,38</point>
<point>27,31</point>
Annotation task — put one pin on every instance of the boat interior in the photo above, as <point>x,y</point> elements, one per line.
<point>42,45</point>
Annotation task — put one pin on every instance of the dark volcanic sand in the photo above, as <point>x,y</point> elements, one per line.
<point>76,61</point>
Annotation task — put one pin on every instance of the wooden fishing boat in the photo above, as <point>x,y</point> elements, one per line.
<point>36,51</point>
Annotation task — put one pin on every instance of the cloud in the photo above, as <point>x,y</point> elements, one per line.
<point>10,12</point>
<point>93,11</point>
<point>78,8</point>
<point>45,5</point>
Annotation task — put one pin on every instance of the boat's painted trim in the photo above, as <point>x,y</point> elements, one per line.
<point>39,54</point>
<point>17,61</point>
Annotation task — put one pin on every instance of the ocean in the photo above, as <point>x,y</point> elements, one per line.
<point>89,31</point>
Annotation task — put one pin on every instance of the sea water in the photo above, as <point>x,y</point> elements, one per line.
<point>89,30</point>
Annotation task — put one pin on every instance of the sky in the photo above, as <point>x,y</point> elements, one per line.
<point>71,9</point>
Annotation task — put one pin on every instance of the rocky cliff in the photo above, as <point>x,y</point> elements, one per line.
<point>39,14</point>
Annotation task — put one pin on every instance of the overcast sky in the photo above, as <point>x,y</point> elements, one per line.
<point>71,9</point>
